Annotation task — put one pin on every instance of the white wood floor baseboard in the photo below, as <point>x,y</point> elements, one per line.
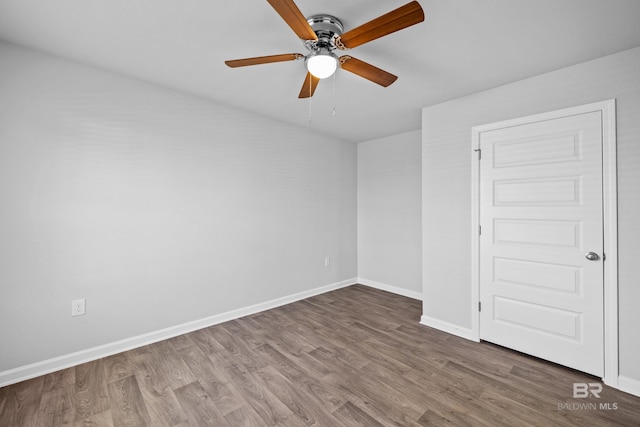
<point>448,327</point>
<point>44,367</point>
<point>629,385</point>
<point>390,288</point>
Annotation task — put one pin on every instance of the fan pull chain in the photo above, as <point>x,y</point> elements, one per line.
<point>334,95</point>
<point>310,101</point>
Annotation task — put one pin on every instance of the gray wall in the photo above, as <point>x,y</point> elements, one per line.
<point>446,182</point>
<point>389,218</point>
<point>157,207</point>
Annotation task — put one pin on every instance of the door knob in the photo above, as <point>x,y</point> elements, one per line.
<point>591,256</point>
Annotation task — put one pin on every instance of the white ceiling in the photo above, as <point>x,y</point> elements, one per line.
<point>464,46</point>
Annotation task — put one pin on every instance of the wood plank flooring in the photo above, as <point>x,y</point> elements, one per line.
<point>352,357</point>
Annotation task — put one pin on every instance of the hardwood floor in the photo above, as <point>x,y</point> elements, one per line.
<point>352,357</point>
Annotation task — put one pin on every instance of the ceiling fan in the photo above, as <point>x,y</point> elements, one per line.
<point>323,34</point>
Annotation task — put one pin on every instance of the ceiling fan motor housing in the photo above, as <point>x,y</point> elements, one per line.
<point>327,28</point>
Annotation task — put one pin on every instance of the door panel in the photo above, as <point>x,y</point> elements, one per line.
<point>541,212</point>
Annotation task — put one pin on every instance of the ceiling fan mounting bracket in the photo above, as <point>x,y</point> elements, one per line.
<point>343,59</point>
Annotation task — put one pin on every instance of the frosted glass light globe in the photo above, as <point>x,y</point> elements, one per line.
<point>322,65</point>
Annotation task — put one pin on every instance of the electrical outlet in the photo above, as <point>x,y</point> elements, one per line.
<point>78,307</point>
<point>327,261</point>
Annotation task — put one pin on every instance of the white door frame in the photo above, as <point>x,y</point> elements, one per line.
<point>610,218</point>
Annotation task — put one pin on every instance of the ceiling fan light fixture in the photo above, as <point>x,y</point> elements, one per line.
<point>322,34</point>
<point>322,64</point>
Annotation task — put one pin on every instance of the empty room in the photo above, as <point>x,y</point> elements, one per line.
<point>319,213</point>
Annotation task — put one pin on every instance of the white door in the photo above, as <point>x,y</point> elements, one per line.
<point>541,259</point>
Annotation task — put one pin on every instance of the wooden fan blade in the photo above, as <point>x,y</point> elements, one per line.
<point>233,63</point>
<point>367,71</point>
<point>288,10</point>
<point>309,86</point>
<point>403,17</point>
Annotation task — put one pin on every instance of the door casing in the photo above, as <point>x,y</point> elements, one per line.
<point>610,223</point>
